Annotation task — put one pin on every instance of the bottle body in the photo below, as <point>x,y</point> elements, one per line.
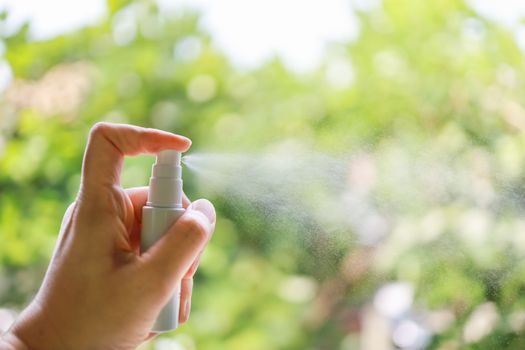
<point>155,223</point>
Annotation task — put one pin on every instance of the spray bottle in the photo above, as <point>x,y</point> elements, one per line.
<point>163,208</point>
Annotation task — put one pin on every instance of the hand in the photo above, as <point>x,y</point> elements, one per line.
<point>98,292</point>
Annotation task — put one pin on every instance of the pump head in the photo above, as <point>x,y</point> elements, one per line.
<point>169,157</point>
<point>165,185</point>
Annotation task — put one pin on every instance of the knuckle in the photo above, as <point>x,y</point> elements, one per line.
<point>99,129</point>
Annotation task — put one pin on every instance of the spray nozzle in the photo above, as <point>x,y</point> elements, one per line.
<point>165,185</point>
<point>169,157</point>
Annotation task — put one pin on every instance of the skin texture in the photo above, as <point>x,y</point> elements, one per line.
<point>99,292</point>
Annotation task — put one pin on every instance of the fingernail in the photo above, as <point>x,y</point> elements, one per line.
<point>187,306</point>
<point>205,207</point>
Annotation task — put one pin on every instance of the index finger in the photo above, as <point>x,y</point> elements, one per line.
<point>109,143</point>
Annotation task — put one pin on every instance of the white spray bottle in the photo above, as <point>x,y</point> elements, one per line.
<point>163,208</point>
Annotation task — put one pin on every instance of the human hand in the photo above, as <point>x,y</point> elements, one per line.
<point>99,292</point>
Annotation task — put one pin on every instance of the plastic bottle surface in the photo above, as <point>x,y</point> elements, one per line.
<point>163,208</point>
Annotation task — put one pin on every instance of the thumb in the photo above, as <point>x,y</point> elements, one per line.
<point>170,258</point>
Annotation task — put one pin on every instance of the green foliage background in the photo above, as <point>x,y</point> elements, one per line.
<point>430,78</point>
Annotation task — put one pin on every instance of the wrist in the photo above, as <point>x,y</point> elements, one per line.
<point>32,330</point>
